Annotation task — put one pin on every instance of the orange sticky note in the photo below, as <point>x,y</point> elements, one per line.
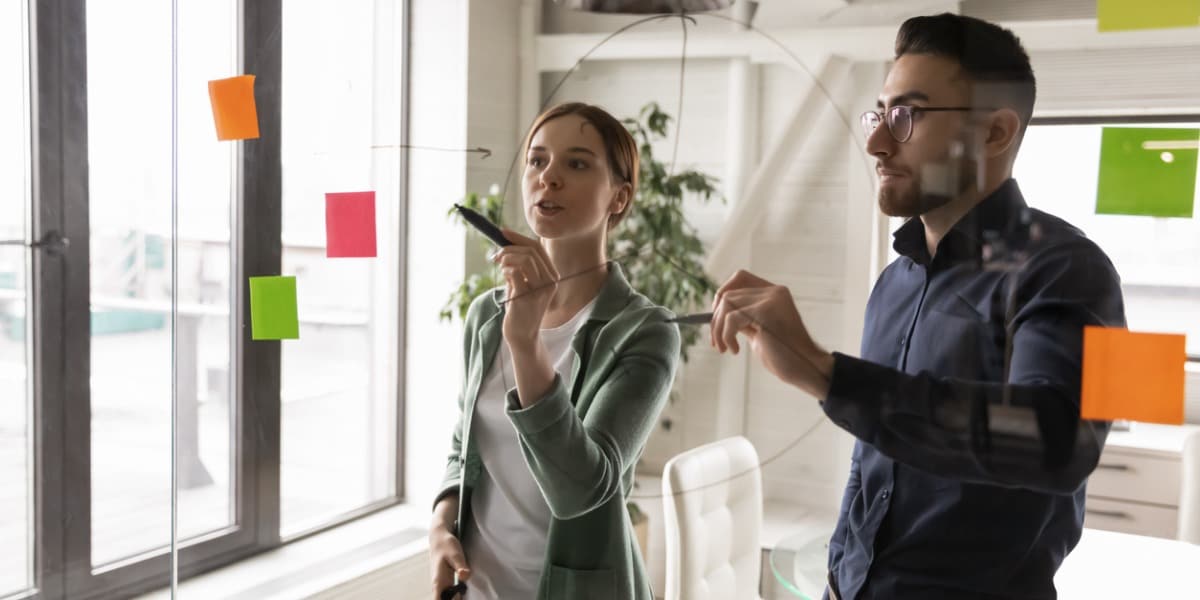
<point>233,107</point>
<point>1132,376</point>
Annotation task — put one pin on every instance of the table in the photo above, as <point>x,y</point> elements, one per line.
<point>799,562</point>
<point>1105,564</point>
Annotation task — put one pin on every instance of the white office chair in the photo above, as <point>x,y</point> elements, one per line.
<point>1189,491</point>
<point>712,509</point>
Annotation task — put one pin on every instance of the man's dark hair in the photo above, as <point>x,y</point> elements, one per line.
<point>990,55</point>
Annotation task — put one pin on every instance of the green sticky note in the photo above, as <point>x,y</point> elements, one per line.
<point>1125,15</point>
<point>1147,171</point>
<point>273,308</point>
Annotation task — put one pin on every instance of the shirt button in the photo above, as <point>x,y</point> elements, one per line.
<point>885,494</point>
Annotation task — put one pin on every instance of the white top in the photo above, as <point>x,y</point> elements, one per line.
<point>506,538</point>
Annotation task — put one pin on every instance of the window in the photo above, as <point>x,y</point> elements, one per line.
<point>137,350</point>
<point>16,459</point>
<point>341,133</point>
<point>1058,168</point>
<point>129,115</point>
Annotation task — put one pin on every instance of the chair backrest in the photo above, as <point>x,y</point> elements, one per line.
<point>1189,491</point>
<point>712,508</point>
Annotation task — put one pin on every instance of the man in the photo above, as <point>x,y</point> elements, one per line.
<point>967,476</point>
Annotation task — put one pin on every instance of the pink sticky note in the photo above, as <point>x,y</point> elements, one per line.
<point>350,224</point>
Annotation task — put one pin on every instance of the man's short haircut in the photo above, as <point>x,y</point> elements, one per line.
<point>990,55</point>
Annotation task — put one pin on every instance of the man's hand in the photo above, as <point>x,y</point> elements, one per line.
<point>767,316</point>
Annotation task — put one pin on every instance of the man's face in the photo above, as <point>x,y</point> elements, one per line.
<point>934,165</point>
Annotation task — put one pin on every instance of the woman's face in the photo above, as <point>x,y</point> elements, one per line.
<point>569,190</point>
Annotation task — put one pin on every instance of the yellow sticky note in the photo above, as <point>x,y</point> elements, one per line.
<point>1125,15</point>
<point>234,110</point>
<point>1132,376</point>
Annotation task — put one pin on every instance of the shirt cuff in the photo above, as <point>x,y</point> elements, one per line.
<point>853,402</point>
<point>544,413</point>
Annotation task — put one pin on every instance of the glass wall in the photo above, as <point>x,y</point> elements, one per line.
<point>341,133</point>
<point>16,460</point>
<point>1155,256</point>
<point>164,432</point>
<point>130,196</point>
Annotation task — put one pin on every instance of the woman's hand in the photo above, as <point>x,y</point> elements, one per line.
<point>531,281</point>
<point>446,556</point>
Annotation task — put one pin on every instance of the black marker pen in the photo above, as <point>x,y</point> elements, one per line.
<point>484,226</point>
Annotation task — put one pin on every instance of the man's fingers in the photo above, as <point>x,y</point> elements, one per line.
<point>742,279</point>
<point>725,327</point>
<point>738,321</point>
<point>720,315</point>
<point>721,309</point>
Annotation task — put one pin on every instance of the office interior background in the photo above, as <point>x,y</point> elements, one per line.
<point>306,468</point>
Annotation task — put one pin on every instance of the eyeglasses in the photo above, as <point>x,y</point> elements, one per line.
<point>899,119</point>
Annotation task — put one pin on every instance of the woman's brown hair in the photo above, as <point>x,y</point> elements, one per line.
<point>619,146</point>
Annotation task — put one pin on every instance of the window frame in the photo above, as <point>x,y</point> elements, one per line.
<point>59,309</point>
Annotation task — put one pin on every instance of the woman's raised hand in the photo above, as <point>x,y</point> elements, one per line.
<point>531,280</point>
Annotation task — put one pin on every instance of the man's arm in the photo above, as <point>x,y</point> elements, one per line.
<point>1025,432</point>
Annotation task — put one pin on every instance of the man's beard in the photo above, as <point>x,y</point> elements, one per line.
<point>933,187</point>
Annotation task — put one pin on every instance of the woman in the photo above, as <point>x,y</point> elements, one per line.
<point>567,369</point>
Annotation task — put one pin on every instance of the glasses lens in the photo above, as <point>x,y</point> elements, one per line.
<point>900,122</point>
<point>870,122</point>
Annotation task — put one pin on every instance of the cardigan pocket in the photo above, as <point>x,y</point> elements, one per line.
<point>582,584</point>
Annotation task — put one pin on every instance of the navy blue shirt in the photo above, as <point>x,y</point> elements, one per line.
<point>962,486</point>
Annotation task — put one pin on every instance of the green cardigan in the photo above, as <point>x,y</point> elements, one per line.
<point>582,440</point>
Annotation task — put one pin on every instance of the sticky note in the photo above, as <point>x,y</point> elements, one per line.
<point>350,224</point>
<point>1132,376</point>
<point>1147,171</point>
<point>233,107</point>
<point>1124,15</point>
<point>273,308</point>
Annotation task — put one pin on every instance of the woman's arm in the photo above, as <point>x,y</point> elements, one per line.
<point>532,369</point>
<point>453,473</point>
<point>578,463</point>
<point>531,281</point>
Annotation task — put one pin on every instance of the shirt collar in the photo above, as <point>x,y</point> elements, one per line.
<point>998,214</point>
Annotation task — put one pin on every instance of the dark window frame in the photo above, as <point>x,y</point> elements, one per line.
<point>59,309</point>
